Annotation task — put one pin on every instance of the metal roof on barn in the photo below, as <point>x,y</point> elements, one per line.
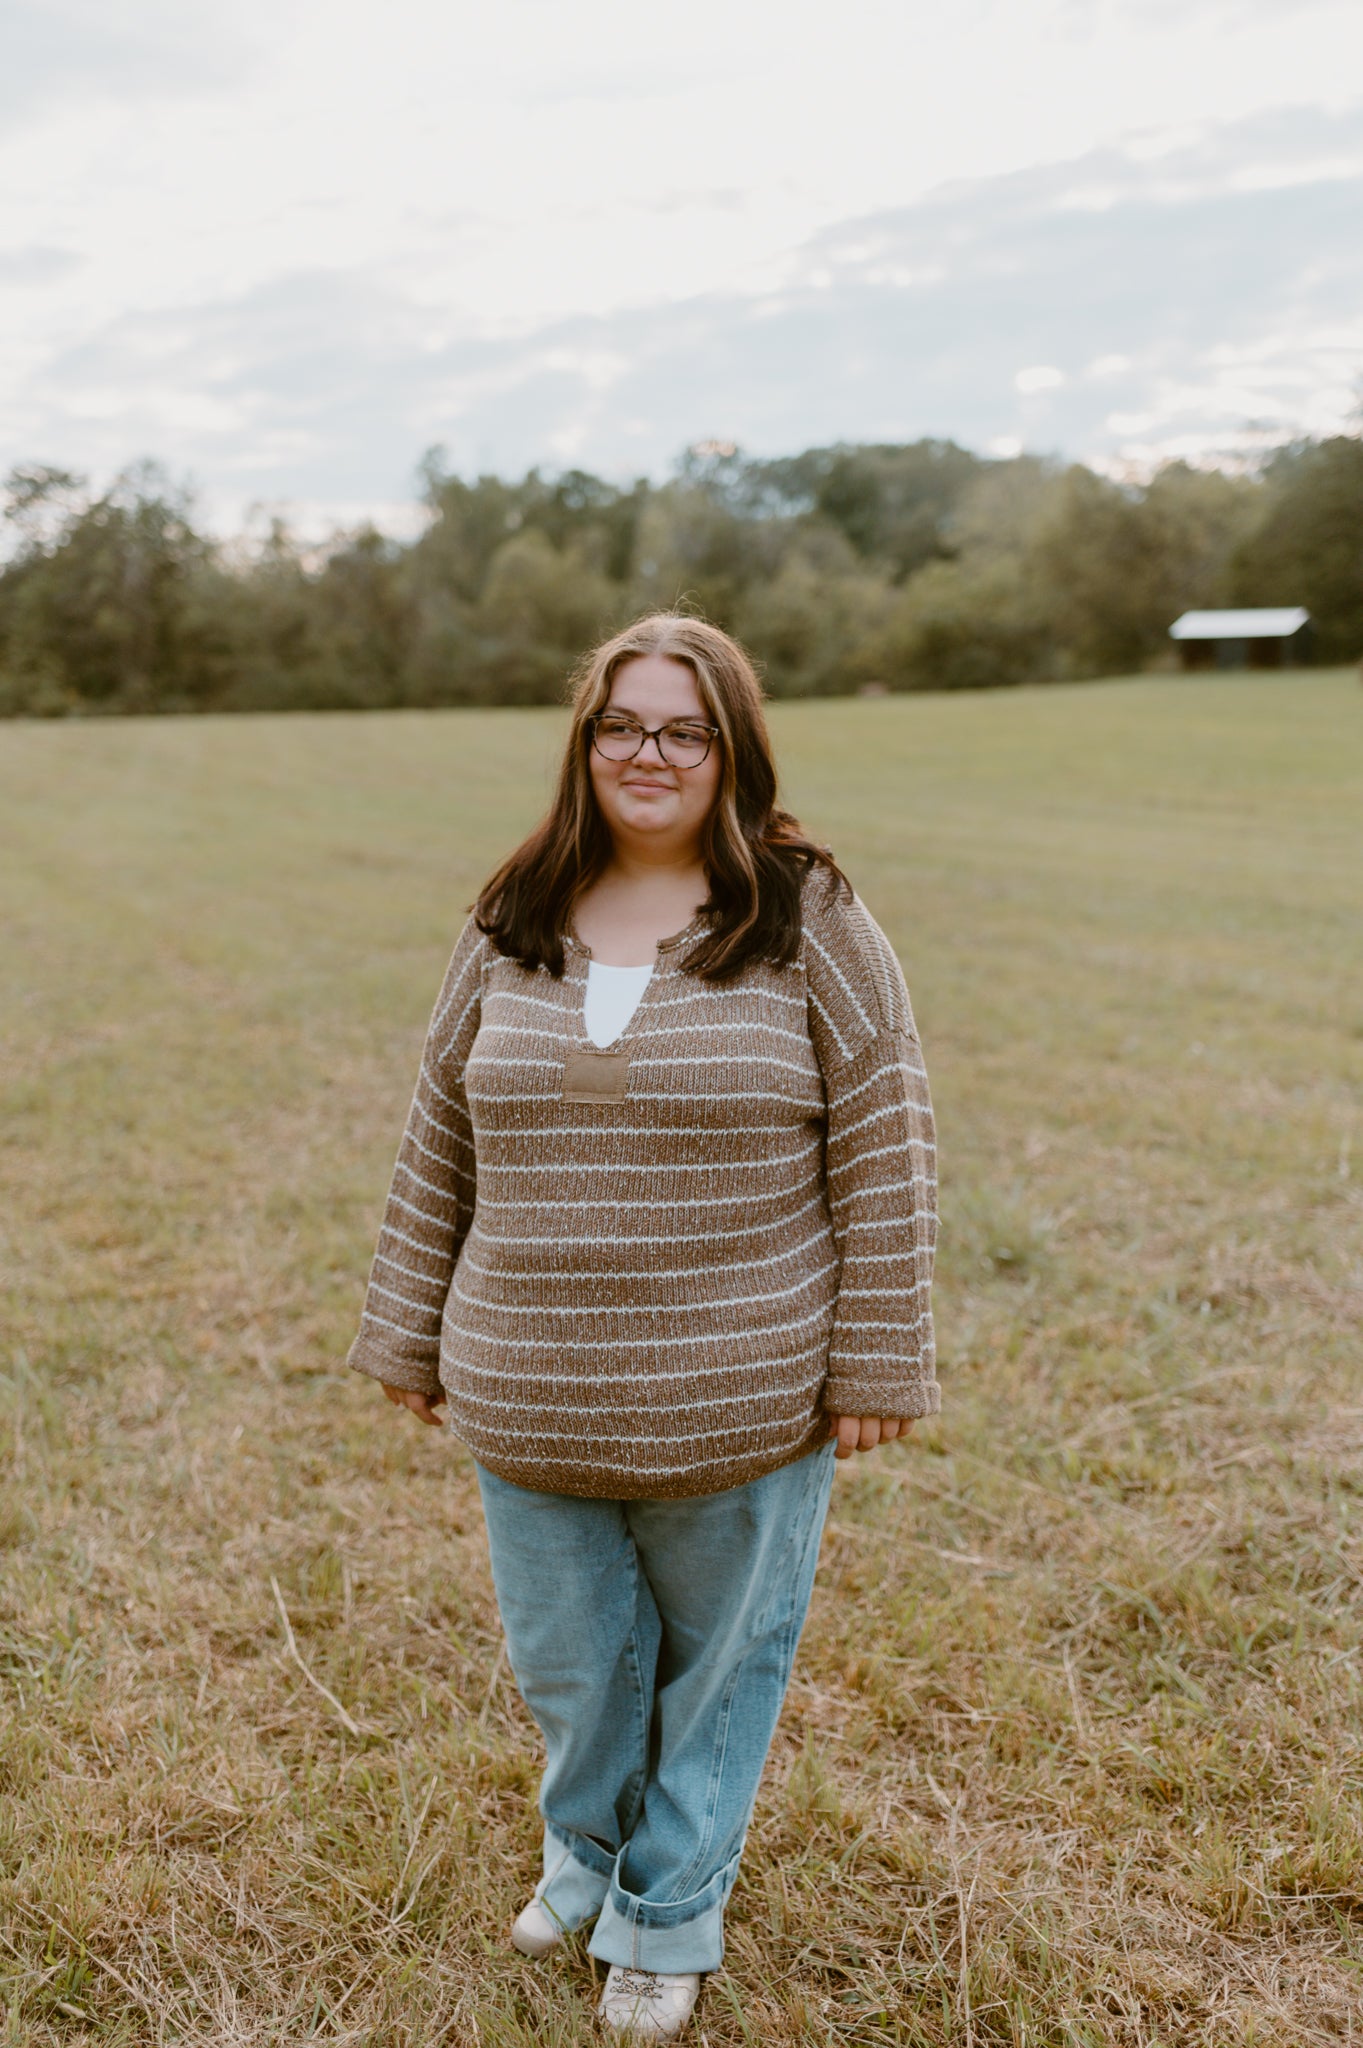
<point>1278,623</point>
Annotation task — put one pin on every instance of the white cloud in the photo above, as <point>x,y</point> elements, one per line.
<point>297,242</point>
<point>71,53</point>
<point>1038,377</point>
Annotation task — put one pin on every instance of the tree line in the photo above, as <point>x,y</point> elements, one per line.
<point>920,566</point>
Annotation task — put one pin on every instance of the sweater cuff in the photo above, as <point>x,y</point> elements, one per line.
<point>847,1392</point>
<point>411,1374</point>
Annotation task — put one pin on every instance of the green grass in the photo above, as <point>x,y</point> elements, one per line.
<point>1072,1755</point>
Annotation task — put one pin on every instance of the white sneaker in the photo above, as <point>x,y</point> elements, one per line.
<point>648,2005</point>
<point>535,1931</point>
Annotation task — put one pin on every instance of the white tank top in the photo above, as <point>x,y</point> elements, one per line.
<point>613,995</point>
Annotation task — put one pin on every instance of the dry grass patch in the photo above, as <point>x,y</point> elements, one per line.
<point>1072,1753</point>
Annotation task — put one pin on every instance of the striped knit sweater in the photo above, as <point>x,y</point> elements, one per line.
<point>654,1270</point>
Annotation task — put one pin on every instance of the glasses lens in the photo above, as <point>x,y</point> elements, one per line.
<point>685,746</point>
<point>619,739</point>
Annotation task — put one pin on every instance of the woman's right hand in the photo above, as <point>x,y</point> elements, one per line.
<point>423,1406</point>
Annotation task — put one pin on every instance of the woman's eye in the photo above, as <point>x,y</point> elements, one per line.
<point>685,733</point>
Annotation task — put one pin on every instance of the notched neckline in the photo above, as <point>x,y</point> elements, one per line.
<point>574,944</point>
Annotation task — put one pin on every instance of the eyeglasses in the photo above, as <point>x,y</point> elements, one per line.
<point>683,743</point>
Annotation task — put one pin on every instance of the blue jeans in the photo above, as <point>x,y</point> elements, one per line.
<point>652,1640</point>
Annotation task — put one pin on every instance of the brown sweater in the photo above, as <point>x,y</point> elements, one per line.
<point>655,1270</point>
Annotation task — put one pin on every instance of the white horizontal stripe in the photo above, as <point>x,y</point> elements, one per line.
<point>894,1293</point>
<point>525,1404</point>
<point>703,1134</point>
<point>367,1315</point>
<point>651,1471</point>
<point>406,1299</point>
<point>631,1202</point>
<point>457,1132</point>
<point>917,1180</point>
<point>444,1222</point>
<point>876,1192</point>
<point>738,1058</point>
<point>704,992</point>
<point>571,1020</point>
<point>612,1344</point>
<point>450,1034</point>
<point>417,1279</point>
<point>537,1031</point>
<point>441,1158</point>
<point>738,1024</point>
<point>643,1308</point>
<point>839,976</point>
<point>848,1365</point>
<point>764,1162</point>
<point>814,1354</point>
<point>499,1066</point>
<point>849,1326</point>
<point>818,1315</point>
<point>899,1104</point>
<point>840,1041</point>
<point>875,1080</point>
<point>878,1078</point>
<point>504,998</point>
<point>430,1251</point>
<point>535,1433</point>
<point>472,970</point>
<point>697,1273</point>
<point>840,1135</point>
<point>672,1237</point>
<point>880,1152</point>
<point>433,1186</point>
<point>638,1098</point>
<point>436,1089</point>
<point>569,1002</point>
<point>436,1123</point>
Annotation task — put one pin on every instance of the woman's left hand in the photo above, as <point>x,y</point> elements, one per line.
<point>864,1432</point>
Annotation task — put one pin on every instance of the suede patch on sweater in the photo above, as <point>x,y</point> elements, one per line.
<point>590,1075</point>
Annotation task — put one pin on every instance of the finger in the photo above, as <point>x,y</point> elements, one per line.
<point>393,1394</point>
<point>868,1434</point>
<point>890,1426</point>
<point>849,1430</point>
<point>424,1409</point>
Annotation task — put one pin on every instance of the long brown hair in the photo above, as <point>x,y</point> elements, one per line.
<point>756,855</point>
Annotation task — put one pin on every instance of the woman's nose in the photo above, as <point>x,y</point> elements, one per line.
<point>657,748</point>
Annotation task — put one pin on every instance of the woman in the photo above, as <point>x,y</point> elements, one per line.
<point>661,1235</point>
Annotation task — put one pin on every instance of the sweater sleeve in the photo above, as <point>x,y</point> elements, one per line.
<point>880,1163</point>
<point>430,1201</point>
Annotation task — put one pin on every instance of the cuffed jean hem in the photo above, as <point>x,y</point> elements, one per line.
<point>572,1891</point>
<point>636,1933</point>
<point>641,1934</point>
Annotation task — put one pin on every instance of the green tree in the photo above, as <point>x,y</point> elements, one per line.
<point>814,624</point>
<point>971,624</point>
<point>894,504</point>
<point>1308,547</point>
<point>104,603</point>
<point>1115,564</point>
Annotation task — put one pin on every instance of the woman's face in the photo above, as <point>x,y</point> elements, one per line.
<point>647,802</point>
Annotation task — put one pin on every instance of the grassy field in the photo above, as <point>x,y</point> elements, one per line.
<point>1074,1753</point>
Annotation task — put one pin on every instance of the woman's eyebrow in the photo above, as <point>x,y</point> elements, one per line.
<point>672,718</point>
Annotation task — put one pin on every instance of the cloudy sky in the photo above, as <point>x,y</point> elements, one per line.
<point>285,246</point>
